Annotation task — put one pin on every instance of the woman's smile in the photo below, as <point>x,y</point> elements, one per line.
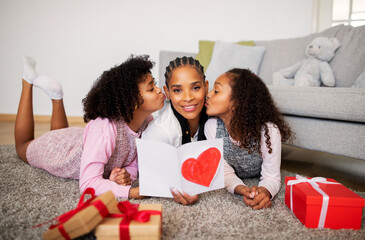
<point>189,108</point>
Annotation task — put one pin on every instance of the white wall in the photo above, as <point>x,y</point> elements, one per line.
<point>324,17</point>
<point>76,40</point>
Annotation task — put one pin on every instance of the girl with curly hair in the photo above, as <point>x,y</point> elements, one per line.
<point>117,109</point>
<point>252,129</point>
<point>183,119</point>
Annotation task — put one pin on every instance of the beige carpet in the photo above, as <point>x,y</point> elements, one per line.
<point>29,196</point>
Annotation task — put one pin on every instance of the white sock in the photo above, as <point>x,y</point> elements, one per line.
<point>49,85</point>
<point>29,73</point>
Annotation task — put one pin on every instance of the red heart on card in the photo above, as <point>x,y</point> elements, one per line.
<point>202,170</point>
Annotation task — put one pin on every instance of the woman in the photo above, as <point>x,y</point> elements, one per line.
<point>182,120</point>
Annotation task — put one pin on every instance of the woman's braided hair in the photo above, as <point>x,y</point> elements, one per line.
<point>181,62</point>
<point>187,62</point>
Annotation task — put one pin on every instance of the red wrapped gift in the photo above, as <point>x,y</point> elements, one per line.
<point>323,203</point>
<point>83,218</point>
<point>131,221</point>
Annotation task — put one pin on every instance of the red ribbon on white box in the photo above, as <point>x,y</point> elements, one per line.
<point>313,182</point>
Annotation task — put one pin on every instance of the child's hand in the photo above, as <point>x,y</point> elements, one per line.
<point>257,198</point>
<point>120,176</point>
<point>134,193</point>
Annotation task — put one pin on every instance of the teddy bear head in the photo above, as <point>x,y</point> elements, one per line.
<point>322,48</point>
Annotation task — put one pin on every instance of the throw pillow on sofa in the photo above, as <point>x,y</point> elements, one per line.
<point>360,81</point>
<point>349,61</point>
<point>206,49</point>
<point>227,56</point>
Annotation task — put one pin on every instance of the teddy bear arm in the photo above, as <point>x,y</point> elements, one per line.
<point>326,74</point>
<point>290,72</point>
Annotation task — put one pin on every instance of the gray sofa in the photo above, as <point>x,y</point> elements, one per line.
<point>324,119</point>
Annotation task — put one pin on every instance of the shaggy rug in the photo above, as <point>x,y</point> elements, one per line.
<point>31,196</point>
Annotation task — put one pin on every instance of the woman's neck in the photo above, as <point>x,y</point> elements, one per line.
<point>193,125</point>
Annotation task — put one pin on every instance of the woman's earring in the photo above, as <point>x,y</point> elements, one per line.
<point>135,108</point>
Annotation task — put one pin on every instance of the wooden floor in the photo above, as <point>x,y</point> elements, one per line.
<point>293,159</point>
<point>7,129</point>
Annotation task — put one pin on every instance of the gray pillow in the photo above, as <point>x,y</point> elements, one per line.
<point>349,60</point>
<point>360,81</point>
<point>228,55</point>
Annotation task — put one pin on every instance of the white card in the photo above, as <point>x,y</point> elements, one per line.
<point>194,167</point>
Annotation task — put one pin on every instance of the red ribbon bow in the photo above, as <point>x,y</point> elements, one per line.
<point>130,212</point>
<point>103,210</point>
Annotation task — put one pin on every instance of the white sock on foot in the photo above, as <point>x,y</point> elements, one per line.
<point>29,73</point>
<point>49,85</point>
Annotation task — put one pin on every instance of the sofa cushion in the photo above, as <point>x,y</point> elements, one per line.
<point>205,53</point>
<point>229,55</point>
<point>206,50</point>
<point>360,81</point>
<point>345,104</point>
<point>283,53</point>
<point>349,60</point>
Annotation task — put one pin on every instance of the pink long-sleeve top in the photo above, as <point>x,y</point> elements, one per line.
<point>107,145</point>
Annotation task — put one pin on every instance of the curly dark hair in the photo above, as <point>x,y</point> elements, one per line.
<point>115,94</point>
<point>253,107</point>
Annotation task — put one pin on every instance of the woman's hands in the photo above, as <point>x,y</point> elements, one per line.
<point>183,198</point>
<point>254,197</point>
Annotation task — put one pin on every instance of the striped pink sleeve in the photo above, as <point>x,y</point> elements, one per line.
<point>98,145</point>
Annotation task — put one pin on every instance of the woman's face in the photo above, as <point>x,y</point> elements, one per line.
<point>186,90</point>
<point>153,98</point>
<point>219,98</point>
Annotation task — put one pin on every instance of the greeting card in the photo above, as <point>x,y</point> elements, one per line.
<point>194,167</point>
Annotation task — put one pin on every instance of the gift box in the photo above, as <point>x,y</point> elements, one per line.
<point>132,221</point>
<point>83,218</point>
<point>323,203</point>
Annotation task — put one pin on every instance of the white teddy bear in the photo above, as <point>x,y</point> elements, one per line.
<point>314,70</point>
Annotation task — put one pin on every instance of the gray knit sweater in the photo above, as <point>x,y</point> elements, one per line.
<point>244,164</point>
